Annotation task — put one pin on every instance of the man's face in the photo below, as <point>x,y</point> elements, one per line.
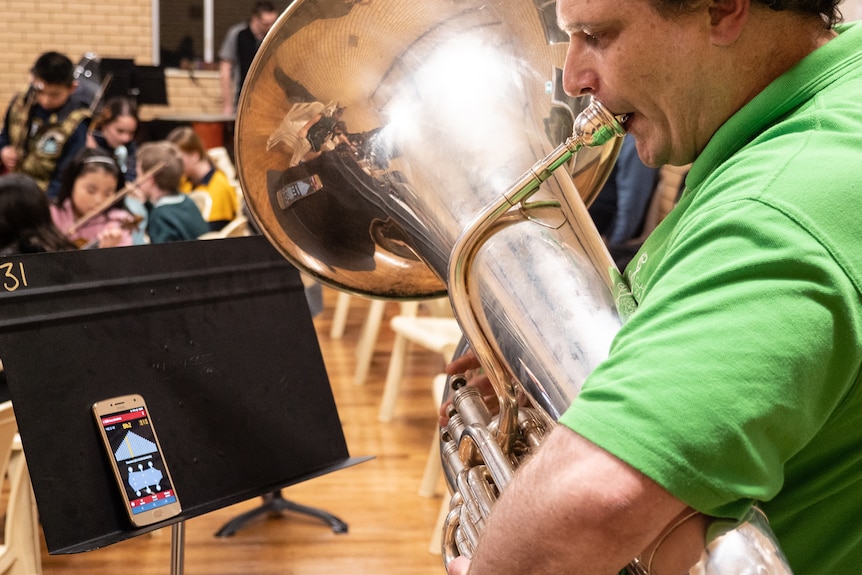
<point>260,25</point>
<point>52,96</point>
<point>637,62</point>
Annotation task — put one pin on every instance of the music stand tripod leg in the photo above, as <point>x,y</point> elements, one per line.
<point>275,503</point>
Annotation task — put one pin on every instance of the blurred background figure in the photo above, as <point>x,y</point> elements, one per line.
<point>25,218</point>
<point>46,125</point>
<point>173,217</point>
<point>238,49</point>
<point>200,174</point>
<point>84,212</point>
<point>113,128</point>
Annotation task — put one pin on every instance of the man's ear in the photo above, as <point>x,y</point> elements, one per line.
<point>727,20</point>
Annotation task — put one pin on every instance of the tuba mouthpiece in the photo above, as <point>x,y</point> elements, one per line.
<point>595,126</point>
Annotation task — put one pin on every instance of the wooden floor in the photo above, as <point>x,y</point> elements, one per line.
<point>390,525</point>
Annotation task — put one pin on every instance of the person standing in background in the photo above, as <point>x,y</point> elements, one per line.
<point>238,49</point>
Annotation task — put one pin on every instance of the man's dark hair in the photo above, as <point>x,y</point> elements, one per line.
<point>827,10</point>
<point>262,7</point>
<point>54,68</point>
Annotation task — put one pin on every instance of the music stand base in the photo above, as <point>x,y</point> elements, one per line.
<point>276,503</point>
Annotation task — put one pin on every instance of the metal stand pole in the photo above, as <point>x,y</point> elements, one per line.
<point>178,535</point>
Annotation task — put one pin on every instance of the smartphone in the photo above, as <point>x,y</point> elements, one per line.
<point>137,460</point>
<point>295,190</point>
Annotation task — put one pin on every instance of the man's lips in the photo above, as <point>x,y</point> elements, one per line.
<point>625,119</point>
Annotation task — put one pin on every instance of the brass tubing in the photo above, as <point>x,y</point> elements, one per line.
<point>593,127</point>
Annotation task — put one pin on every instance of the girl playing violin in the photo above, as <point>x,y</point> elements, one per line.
<point>89,181</point>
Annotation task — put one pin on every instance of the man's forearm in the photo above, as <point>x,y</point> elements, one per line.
<point>573,508</point>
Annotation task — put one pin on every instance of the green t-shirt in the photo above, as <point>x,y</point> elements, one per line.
<point>737,379</point>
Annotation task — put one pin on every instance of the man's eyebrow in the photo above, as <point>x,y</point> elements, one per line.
<point>574,26</point>
<point>566,26</point>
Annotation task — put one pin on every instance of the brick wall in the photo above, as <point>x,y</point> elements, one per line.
<point>75,27</point>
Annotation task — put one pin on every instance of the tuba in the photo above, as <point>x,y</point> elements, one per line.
<point>386,148</point>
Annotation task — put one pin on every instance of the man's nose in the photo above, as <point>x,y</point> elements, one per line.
<point>579,74</point>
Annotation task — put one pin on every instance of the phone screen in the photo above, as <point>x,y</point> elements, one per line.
<point>136,454</point>
<point>293,191</point>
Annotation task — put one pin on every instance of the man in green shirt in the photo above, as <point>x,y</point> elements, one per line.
<point>736,380</point>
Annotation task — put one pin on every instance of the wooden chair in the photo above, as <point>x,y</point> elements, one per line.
<point>237,227</point>
<point>367,339</point>
<point>370,330</point>
<point>203,201</point>
<point>20,553</point>
<point>221,159</point>
<point>439,332</point>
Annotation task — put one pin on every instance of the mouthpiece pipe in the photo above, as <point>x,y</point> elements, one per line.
<point>593,127</point>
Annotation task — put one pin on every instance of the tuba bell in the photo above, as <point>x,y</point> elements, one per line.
<point>377,142</point>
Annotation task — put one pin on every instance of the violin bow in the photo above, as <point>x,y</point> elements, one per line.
<point>103,206</point>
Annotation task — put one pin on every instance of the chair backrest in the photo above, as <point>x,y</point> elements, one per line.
<point>237,227</point>
<point>204,202</point>
<point>20,553</point>
<point>222,161</point>
<point>8,429</point>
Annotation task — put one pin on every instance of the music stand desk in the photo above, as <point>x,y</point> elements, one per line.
<point>216,336</point>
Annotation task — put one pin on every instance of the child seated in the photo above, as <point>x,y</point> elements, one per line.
<point>201,174</point>
<point>25,218</point>
<point>91,180</point>
<point>173,216</point>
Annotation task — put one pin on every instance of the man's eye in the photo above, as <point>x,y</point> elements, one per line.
<point>591,38</point>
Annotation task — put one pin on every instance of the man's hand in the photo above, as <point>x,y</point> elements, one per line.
<point>468,364</point>
<point>460,566</point>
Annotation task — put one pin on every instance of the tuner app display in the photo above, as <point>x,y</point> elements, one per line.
<point>138,459</point>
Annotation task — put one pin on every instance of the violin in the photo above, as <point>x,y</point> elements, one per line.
<point>107,203</point>
<point>131,224</point>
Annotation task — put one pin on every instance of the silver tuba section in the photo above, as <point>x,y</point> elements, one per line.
<point>376,145</point>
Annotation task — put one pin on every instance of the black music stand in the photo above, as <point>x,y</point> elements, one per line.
<point>143,84</point>
<point>217,337</point>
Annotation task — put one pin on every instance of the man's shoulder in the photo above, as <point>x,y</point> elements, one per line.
<point>236,28</point>
<point>227,51</point>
